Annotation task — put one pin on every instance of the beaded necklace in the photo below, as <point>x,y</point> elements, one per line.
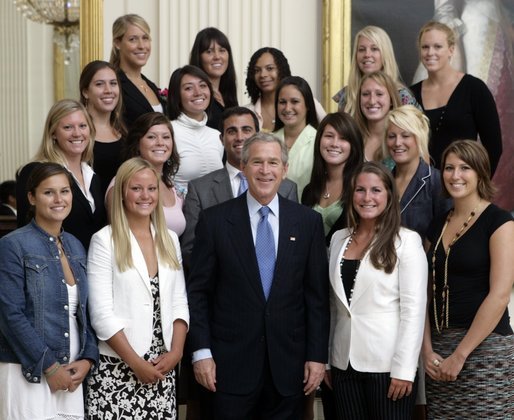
<point>443,321</point>
<point>356,268</point>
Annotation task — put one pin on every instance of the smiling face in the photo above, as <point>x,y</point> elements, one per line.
<point>52,201</point>
<point>141,195</point>
<point>460,179</point>
<point>72,134</point>
<point>156,145</point>
<point>402,145</point>
<point>291,107</point>
<point>237,129</point>
<point>103,92</point>
<point>369,196</point>
<point>214,60</point>
<point>375,101</point>
<point>134,46</point>
<point>368,56</point>
<point>335,150</point>
<point>434,50</point>
<point>264,170</point>
<point>266,73</point>
<point>194,96</point>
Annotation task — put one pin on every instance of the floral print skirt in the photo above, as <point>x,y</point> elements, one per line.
<point>114,392</point>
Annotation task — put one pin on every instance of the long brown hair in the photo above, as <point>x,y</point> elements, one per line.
<point>382,250</point>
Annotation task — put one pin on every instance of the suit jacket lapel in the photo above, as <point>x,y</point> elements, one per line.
<point>289,232</point>
<point>416,184</point>
<point>130,90</point>
<point>335,270</point>
<point>222,189</point>
<point>139,262</point>
<point>240,232</point>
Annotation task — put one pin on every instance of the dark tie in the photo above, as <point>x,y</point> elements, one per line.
<point>265,250</point>
<point>243,184</point>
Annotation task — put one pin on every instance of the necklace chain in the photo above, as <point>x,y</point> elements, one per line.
<point>350,239</point>
<point>443,321</point>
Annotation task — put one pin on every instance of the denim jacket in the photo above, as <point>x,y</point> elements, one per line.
<point>34,320</point>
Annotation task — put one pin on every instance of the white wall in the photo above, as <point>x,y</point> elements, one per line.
<point>293,26</point>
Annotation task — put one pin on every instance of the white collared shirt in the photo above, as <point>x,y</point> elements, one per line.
<point>235,181</point>
<point>253,210</point>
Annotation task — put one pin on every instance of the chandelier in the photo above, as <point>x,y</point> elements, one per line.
<point>63,15</point>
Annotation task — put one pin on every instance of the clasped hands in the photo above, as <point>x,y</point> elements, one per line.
<point>441,369</point>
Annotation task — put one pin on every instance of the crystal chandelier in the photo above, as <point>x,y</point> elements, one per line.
<point>63,15</point>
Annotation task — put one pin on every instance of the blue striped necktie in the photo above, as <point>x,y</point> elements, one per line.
<point>265,250</point>
<point>243,184</point>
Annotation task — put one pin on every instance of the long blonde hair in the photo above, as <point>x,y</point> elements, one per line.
<point>119,27</point>
<point>380,38</point>
<point>49,150</point>
<point>166,251</point>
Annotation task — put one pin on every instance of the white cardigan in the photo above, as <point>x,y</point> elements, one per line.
<point>123,300</point>
<point>382,329</point>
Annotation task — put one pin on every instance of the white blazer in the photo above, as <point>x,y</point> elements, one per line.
<point>382,329</point>
<point>123,300</point>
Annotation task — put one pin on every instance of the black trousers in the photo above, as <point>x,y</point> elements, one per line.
<point>265,403</point>
<point>363,396</point>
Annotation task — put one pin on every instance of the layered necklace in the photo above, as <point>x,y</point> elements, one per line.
<point>443,320</point>
<point>357,265</point>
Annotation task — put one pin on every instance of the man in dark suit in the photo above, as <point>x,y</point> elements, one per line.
<point>8,198</point>
<point>237,125</point>
<point>258,295</point>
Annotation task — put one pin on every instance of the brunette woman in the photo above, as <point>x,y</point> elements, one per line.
<point>213,54</point>
<point>267,67</point>
<point>47,345</point>
<point>100,94</point>
<point>199,146</point>
<point>152,139</point>
<point>378,273</point>
<point>468,346</point>
<point>296,124</point>
<point>338,151</point>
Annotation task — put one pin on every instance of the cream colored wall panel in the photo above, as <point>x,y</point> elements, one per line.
<point>25,95</point>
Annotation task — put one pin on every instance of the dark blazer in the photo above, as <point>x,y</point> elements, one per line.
<point>134,102</point>
<point>229,313</point>
<point>5,210</point>
<point>81,222</point>
<point>209,190</point>
<point>423,199</point>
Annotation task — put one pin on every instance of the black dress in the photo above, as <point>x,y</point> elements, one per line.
<point>107,159</point>
<point>470,112</point>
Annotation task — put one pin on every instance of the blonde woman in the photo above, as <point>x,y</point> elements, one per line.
<point>68,140</point>
<point>377,96</point>
<point>458,105</point>
<point>138,304</point>
<point>417,181</point>
<point>372,51</point>
<point>131,48</point>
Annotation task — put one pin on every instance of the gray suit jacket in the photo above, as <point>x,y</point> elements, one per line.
<point>209,190</point>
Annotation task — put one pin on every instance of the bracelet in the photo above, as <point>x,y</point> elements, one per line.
<point>54,370</point>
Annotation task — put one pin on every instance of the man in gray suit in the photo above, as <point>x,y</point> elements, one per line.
<point>237,125</point>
